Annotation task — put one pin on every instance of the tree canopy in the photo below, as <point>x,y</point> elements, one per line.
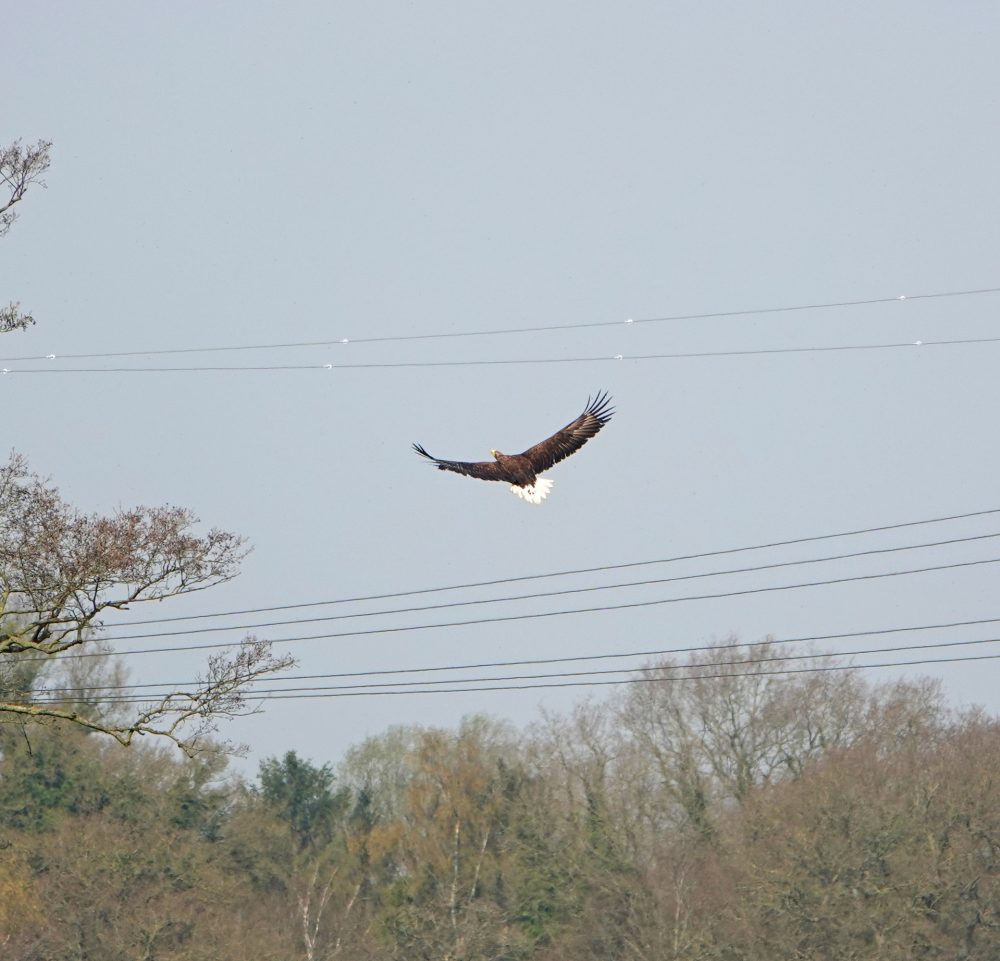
<point>574,839</point>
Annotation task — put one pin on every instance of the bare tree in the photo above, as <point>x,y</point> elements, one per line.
<point>20,167</point>
<point>61,570</point>
<point>714,728</point>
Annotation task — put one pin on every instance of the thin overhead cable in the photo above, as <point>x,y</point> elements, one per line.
<point>735,645</point>
<point>557,593</point>
<point>506,331</point>
<point>599,672</point>
<point>659,652</point>
<point>540,614</point>
<point>646,678</point>
<point>637,680</point>
<point>508,362</point>
<point>571,572</point>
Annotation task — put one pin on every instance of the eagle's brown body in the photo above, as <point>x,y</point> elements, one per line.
<point>521,470</point>
<point>517,468</point>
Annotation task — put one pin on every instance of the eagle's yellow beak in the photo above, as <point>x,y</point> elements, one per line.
<point>493,453</point>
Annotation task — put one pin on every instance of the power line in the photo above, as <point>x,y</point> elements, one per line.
<point>541,614</point>
<point>493,362</point>
<point>506,331</point>
<point>569,573</point>
<point>557,593</point>
<point>635,680</point>
<point>606,671</point>
<point>660,652</point>
<point>373,691</point>
<point>734,645</point>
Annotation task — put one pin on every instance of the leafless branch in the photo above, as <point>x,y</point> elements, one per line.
<point>60,570</point>
<point>186,717</point>
<point>20,167</point>
<point>11,318</point>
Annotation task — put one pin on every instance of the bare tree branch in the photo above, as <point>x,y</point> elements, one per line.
<point>11,318</point>
<point>20,167</point>
<point>60,570</point>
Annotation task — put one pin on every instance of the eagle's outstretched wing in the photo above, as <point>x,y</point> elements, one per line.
<point>484,470</point>
<point>573,436</point>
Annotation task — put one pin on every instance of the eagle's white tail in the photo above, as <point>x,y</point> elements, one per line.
<point>535,493</point>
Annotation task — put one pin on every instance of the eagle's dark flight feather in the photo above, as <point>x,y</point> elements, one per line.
<point>521,470</point>
<point>573,436</point>
<point>484,470</point>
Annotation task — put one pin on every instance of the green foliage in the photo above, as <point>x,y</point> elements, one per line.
<point>52,772</point>
<point>302,795</point>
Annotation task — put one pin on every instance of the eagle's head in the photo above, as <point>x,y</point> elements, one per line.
<point>495,454</point>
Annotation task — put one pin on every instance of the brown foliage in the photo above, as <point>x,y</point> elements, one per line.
<point>878,854</point>
<point>497,847</point>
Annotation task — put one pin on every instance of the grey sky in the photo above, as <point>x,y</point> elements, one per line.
<point>242,173</point>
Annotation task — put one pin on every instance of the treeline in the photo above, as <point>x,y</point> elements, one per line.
<point>743,816</point>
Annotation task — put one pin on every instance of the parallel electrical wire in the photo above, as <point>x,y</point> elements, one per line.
<point>645,679</point>
<point>634,680</point>
<point>542,614</point>
<point>517,361</point>
<point>557,593</point>
<point>506,331</point>
<point>173,685</point>
<point>573,572</point>
<point>652,668</point>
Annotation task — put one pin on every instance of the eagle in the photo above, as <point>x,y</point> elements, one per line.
<point>521,470</point>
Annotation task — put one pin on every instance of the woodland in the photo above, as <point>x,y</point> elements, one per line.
<point>744,817</point>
